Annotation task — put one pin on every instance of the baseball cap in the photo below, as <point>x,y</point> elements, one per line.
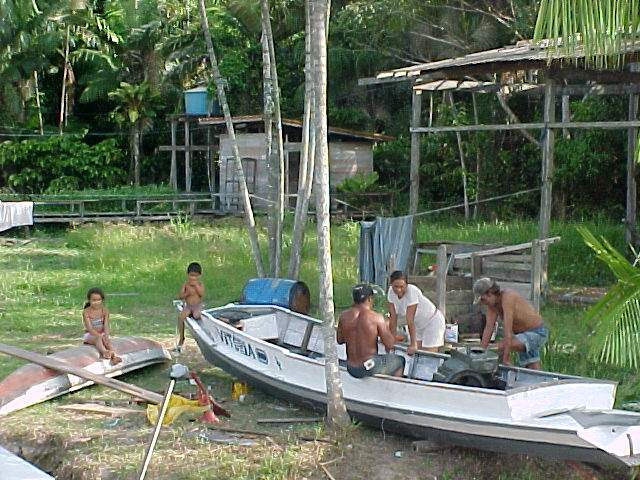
<point>482,286</point>
<point>361,292</point>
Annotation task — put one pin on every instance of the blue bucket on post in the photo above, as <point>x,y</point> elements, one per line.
<point>283,292</point>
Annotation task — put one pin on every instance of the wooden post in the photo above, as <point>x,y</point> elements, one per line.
<point>414,175</point>
<point>566,115</point>
<point>173,175</point>
<point>536,273</point>
<point>187,157</point>
<point>546,193</point>
<point>630,216</point>
<point>476,267</point>
<point>441,279</point>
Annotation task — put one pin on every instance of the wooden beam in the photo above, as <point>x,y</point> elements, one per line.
<point>546,194</point>
<point>414,173</point>
<point>60,366</point>
<point>173,174</point>
<point>180,148</point>
<point>632,135</point>
<point>552,125</point>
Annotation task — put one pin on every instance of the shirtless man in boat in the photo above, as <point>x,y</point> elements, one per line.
<point>359,327</point>
<point>524,330</point>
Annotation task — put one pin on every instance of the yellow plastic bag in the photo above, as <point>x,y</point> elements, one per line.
<point>177,406</point>
<point>237,389</point>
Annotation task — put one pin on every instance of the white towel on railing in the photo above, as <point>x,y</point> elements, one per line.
<point>15,214</point>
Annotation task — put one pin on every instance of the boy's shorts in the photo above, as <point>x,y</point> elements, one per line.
<point>533,340</point>
<point>193,310</point>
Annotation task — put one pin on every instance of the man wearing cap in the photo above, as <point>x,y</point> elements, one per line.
<point>524,330</point>
<point>359,327</point>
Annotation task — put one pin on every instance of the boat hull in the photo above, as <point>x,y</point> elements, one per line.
<point>32,384</point>
<point>15,468</point>
<point>466,416</point>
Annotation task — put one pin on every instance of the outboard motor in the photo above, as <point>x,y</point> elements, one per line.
<point>476,367</point>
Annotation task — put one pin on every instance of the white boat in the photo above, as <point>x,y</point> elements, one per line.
<point>537,413</point>
<point>15,468</point>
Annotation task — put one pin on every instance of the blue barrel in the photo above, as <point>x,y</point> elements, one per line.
<point>283,292</point>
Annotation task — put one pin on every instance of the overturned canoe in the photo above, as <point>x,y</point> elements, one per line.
<point>537,413</point>
<point>15,468</point>
<point>31,383</point>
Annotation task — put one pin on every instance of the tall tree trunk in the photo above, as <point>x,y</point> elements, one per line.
<point>136,154</point>
<point>222,98</point>
<point>462,162</point>
<point>270,161</point>
<point>307,157</point>
<point>336,409</point>
<point>266,26</point>
<point>63,96</point>
<point>35,83</point>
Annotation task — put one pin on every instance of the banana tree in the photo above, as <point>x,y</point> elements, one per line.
<point>136,108</point>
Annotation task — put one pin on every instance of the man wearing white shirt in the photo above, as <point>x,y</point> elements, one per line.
<point>426,323</point>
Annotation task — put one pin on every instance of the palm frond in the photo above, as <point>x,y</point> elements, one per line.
<point>602,28</point>
<point>617,314</point>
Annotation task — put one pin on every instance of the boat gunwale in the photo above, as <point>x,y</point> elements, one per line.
<point>566,380</point>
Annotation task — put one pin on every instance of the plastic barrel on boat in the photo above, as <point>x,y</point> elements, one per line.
<point>283,292</point>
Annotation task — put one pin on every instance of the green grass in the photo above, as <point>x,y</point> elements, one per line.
<point>43,285</point>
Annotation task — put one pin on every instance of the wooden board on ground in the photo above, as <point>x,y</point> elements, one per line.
<point>101,409</point>
<point>291,420</point>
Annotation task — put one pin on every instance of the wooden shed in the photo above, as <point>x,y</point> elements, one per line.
<point>350,153</point>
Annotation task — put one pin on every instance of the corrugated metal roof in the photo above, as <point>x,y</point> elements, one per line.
<point>524,51</point>
<point>375,137</point>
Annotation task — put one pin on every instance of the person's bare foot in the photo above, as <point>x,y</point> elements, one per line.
<point>115,359</point>
<point>107,355</point>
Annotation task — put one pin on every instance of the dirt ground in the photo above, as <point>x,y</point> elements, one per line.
<point>86,446</point>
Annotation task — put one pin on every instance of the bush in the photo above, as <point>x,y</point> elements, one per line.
<point>60,163</point>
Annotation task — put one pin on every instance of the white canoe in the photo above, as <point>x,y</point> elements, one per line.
<point>31,383</point>
<point>15,468</point>
<point>539,413</point>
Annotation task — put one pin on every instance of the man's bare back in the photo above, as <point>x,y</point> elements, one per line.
<point>523,314</point>
<point>360,328</point>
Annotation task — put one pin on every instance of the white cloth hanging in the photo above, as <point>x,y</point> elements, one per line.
<point>15,214</point>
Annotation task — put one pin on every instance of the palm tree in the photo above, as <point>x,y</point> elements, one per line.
<point>136,108</point>
<point>222,98</point>
<point>336,409</point>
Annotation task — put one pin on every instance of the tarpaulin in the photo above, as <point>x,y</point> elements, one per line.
<point>385,246</point>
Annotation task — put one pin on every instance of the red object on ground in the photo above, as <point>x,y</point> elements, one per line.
<point>204,398</point>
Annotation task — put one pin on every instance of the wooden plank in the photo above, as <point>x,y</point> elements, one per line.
<point>180,148</point>
<point>507,274</point>
<point>64,367</point>
<point>454,282</point>
<point>508,249</point>
<point>441,282</point>
<point>101,409</point>
<point>547,159</point>
<point>506,265</point>
<point>476,267</point>
<point>291,420</point>
<point>515,258</point>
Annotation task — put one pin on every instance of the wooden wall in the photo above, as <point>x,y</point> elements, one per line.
<point>345,160</point>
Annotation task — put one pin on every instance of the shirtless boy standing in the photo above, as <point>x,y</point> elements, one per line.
<point>359,327</point>
<point>191,293</point>
<point>524,330</point>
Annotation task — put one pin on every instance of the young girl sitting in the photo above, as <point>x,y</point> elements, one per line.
<point>96,325</point>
